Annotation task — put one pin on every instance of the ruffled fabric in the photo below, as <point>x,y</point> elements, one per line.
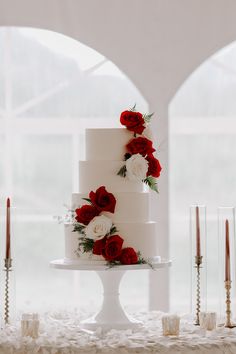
<point>60,333</point>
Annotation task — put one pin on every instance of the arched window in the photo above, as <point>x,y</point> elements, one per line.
<point>202,162</point>
<point>51,88</point>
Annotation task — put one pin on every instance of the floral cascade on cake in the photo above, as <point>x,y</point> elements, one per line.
<point>140,163</point>
<point>112,214</point>
<point>98,235</point>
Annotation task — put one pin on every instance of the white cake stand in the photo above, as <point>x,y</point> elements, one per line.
<point>111,315</point>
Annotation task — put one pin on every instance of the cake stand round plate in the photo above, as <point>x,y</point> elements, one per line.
<point>111,315</point>
<point>95,266</point>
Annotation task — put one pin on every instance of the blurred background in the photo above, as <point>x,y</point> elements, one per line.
<point>53,86</point>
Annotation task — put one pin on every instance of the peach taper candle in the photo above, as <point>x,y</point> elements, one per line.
<point>198,237</point>
<point>227,252</point>
<point>8,229</point>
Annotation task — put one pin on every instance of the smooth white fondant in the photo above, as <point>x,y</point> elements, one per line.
<point>141,236</point>
<point>106,144</point>
<point>130,206</point>
<point>71,242</point>
<point>93,174</point>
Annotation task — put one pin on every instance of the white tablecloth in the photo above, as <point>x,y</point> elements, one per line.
<point>60,333</point>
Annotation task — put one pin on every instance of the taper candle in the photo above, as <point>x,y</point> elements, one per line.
<point>8,229</point>
<point>227,252</point>
<point>198,239</point>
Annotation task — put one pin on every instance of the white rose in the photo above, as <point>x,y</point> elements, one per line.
<point>98,227</point>
<point>137,167</point>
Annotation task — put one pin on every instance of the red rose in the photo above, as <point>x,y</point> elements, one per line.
<point>133,121</point>
<point>141,146</point>
<point>99,246</point>
<point>86,213</point>
<point>154,167</point>
<point>113,248</point>
<point>102,200</point>
<point>128,256</point>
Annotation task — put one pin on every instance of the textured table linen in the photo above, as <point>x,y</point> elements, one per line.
<point>61,334</point>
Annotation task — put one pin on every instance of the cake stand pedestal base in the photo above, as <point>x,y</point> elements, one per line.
<point>111,314</point>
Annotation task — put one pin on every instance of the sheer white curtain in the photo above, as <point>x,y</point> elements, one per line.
<point>51,89</point>
<point>202,164</point>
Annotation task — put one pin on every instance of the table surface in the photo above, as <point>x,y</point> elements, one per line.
<point>60,333</point>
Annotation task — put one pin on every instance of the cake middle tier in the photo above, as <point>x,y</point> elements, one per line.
<point>140,236</point>
<point>130,206</point>
<point>93,174</point>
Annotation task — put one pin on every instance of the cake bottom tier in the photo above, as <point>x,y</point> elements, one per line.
<point>140,236</point>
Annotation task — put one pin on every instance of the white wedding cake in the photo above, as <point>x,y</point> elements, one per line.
<point>98,176</point>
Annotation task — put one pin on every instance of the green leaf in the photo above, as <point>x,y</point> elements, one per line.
<point>142,260</point>
<point>147,117</point>
<point>86,244</point>
<point>122,171</point>
<point>87,200</point>
<point>151,182</point>
<point>112,264</point>
<point>127,156</point>
<point>79,228</point>
<point>133,109</point>
<point>113,230</point>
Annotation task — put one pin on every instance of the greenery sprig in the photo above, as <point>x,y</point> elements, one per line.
<point>142,260</point>
<point>151,182</point>
<point>85,244</point>
<point>122,172</point>
<point>133,109</point>
<point>147,117</point>
<point>87,200</point>
<point>112,231</point>
<point>79,228</point>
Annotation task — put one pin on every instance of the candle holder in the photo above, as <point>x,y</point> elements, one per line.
<point>208,320</point>
<point>226,274</point>
<point>198,261</point>
<point>7,269</point>
<point>30,325</point>
<point>170,325</point>
<point>228,323</point>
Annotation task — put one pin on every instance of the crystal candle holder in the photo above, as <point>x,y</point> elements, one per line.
<point>198,255</point>
<point>170,325</point>
<point>30,325</point>
<point>8,276</point>
<point>227,264</point>
<point>208,320</point>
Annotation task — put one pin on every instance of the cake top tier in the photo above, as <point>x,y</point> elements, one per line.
<point>108,143</point>
<point>131,147</point>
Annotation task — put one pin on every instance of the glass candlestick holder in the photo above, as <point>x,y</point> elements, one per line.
<point>198,260</point>
<point>226,265</point>
<point>8,286</point>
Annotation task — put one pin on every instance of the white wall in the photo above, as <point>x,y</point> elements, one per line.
<point>157,43</point>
